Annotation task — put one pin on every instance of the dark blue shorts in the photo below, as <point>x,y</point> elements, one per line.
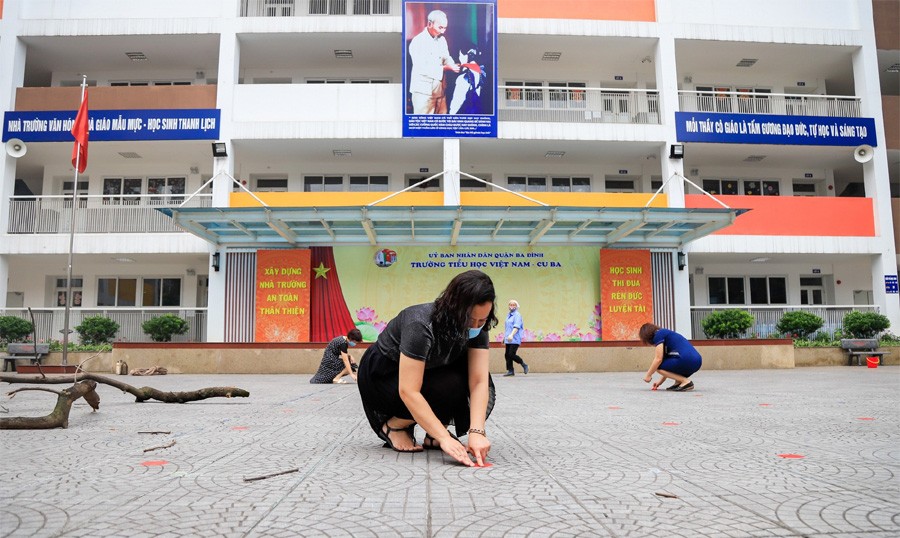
<point>679,365</point>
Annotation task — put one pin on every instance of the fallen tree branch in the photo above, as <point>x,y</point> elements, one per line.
<point>141,394</point>
<point>289,471</point>
<point>59,418</point>
<point>161,446</point>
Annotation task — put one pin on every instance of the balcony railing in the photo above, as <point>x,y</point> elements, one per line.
<point>297,8</point>
<point>578,105</point>
<point>836,106</point>
<point>767,317</point>
<point>49,321</point>
<point>96,213</point>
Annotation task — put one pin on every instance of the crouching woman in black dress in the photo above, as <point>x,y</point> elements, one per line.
<point>430,367</point>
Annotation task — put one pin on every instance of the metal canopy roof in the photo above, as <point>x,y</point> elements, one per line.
<point>649,227</point>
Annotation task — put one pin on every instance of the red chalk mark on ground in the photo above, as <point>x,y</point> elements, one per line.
<point>654,388</point>
<point>792,456</point>
<point>287,410</point>
<point>865,418</point>
<point>154,463</point>
<point>765,405</point>
<point>671,423</point>
<point>486,464</point>
<point>239,428</point>
<point>614,407</point>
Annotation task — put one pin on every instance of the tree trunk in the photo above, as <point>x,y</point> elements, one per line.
<point>59,418</point>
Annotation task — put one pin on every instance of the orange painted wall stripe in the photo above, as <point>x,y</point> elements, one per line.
<point>794,215</point>
<point>604,10</point>
<point>423,199</point>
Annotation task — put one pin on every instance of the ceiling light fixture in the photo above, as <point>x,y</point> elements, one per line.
<point>551,56</point>
<point>341,152</point>
<point>760,260</point>
<point>747,62</point>
<point>137,56</point>
<point>343,54</point>
<point>556,154</point>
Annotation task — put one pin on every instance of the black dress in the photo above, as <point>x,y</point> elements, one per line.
<point>445,384</point>
<point>332,364</point>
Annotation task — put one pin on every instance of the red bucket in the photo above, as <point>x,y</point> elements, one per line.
<point>872,362</point>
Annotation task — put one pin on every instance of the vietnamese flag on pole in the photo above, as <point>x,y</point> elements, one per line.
<point>80,132</point>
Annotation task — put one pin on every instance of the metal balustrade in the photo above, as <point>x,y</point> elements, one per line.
<point>299,8</point>
<point>578,105</point>
<point>96,213</point>
<point>767,317</point>
<point>49,321</point>
<point>835,106</point>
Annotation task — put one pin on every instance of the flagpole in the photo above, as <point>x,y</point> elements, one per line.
<point>66,331</point>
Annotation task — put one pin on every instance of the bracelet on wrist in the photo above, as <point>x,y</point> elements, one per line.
<point>476,430</point>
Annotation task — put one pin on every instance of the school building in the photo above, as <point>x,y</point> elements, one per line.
<point>251,166</point>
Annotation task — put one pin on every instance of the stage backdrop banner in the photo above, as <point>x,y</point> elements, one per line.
<point>282,295</point>
<point>558,287</point>
<point>626,292</point>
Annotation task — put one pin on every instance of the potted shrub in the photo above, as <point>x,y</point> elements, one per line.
<point>96,330</point>
<point>14,329</point>
<point>163,328</point>
<point>727,323</point>
<point>799,324</point>
<point>864,324</point>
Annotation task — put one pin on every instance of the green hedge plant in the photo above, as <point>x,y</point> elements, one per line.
<point>799,324</point>
<point>864,324</point>
<point>163,328</point>
<point>727,323</point>
<point>14,329</point>
<point>97,330</point>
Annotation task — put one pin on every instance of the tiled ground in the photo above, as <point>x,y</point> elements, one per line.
<point>573,455</point>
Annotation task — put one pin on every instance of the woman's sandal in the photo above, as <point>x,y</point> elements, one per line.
<point>430,443</point>
<point>385,435</point>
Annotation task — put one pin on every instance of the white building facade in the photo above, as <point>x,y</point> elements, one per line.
<point>308,101</point>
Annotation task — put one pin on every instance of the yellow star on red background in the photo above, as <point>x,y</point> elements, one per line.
<point>321,270</point>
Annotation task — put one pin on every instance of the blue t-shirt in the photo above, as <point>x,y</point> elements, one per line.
<point>513,320</point>
<point>675,344</point>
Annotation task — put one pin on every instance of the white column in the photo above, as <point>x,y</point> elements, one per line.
<point>667,83</point>
<point>876,175</point>
<point>12,76</point>
<point>229,64</point>
<point>451,172</point>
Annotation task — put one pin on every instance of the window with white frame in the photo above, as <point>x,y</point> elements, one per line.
<point>82,190</point>
<point>756,187</point>
<point>116,291</point>
<point>469,184</point>
<point>720,186</point>
<point>619,184</point>
<point>566,94</point>
<point>62,292</point>
<point>521,94</point>
<point>726,290</point>
<point>768,289</point>
<point>368,183</point>
<point>570,184</point>
<point>323,183</point>
<point>433,185</point>
<point>122,190</point>
<point>271,184</point>
<point>527,183</point>
<point>161,292</point>
<point>166,187</point>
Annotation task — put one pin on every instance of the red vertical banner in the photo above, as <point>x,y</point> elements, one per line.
<point>626,292</point>
<point>282,295</point>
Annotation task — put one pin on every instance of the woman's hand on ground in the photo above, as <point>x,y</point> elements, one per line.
<point>647,378</point>
<point>479,446</point>
<point>658,383</point>
<point>456,450</point>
